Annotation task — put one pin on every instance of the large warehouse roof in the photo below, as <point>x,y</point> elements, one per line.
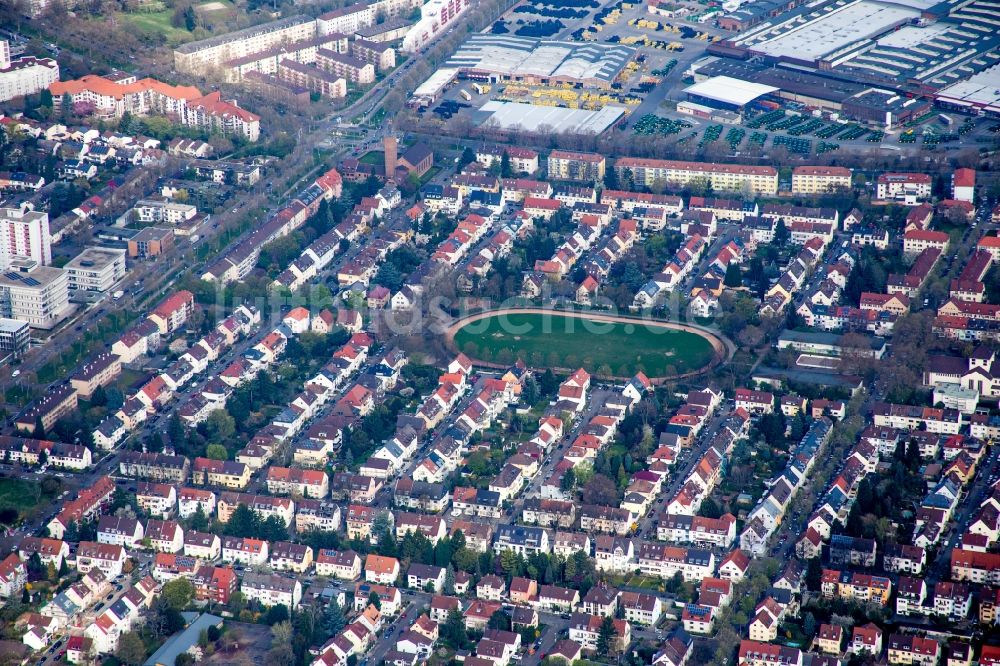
<point>981,90</point>
<point>517,57</point>
<point>532,117</point>
<point>829,29</point>
<point>729,90</point>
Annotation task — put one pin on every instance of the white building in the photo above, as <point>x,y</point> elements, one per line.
<point>34,293</point>
<point>24,76</point>
<point>272,589</point>
<point>24,233</point>
<point>154,211</point>
<point>96,269</point>
<point>435,17</point>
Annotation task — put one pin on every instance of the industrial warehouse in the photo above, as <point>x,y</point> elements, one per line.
<point>501,57</point>
<point>881,62</point>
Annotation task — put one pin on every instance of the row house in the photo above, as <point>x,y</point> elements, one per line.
<point>202,545</point>
<point>317,515</point>
<point>664,561</point>
<point>296,481</point>
<point>264,505</point>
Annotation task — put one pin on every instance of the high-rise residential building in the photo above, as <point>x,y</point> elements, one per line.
<point>33,293</point>
<point>26,75</point>
<point>24,233</point>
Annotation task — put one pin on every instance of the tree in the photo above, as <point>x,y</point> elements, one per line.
<point>375,600</point>
<point>468,156</point>
<point>131,649</point>
<point>568,480</point>
<point>499,620</point>
<point>178,593</point>
<point>600,490</point>
<point>606,636</point>
<point>809,625</point>
<point>216,452</point>
<point>733,276</point>
<point>220,425</point>
<point>199,521</point>
<point>175,430</point>
<point>611,179</point>
<point>39,431</point>
<point>449,580</point>
<point>190,18</point>
<point>276,614</point>
<point>781,234</point>
<point>332,620</point>
<point>506,171</point>
<point>453,632</point>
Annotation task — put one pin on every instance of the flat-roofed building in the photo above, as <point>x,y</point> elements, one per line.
<point>34,293</point>
<point>96,269</point>
<point>15,336</point>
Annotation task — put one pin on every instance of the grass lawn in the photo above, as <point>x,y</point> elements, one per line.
<point>20,495</point>
<point>158,22</point>
<point>554,340</point>
<point>653,583</point>
<point>375,158</point>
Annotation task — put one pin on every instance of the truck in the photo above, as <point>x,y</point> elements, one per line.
<point>117,295</point>
<point>947,121</point>
<point>466,96</point>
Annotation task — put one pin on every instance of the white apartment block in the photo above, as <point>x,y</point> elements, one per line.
<point>207,54</point>
<point>154,211</point>
<point>96,269</point>
<point>24,76</point>
<point>36,294</point>
<point>728,177</point>
<point>24,233</point>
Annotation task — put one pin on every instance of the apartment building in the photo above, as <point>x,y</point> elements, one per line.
<point>351,68</point>
<point>314,79</point>
<point>580,167</point>
<point>112,99</point>
<point>382,56</point>
<point>26,75</point>
<point>208,54</point>
<point>159,467</point>
<point>190,500</point>
<point>222,473</point>
<point>24,234</point>
<point>723,177</point>
<point>96,269</point>
<point>311,483</point>
<point>907,188</point>
<point>48,409</point>
<point>162,211</point>
<point>109,558</point>
<point>820,179</point>
<point>246,551</point>
<point>100,370</point>
<point>272,590</point>
<point>265,505</point>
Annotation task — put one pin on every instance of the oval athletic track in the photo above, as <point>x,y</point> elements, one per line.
<point>722,347</point>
